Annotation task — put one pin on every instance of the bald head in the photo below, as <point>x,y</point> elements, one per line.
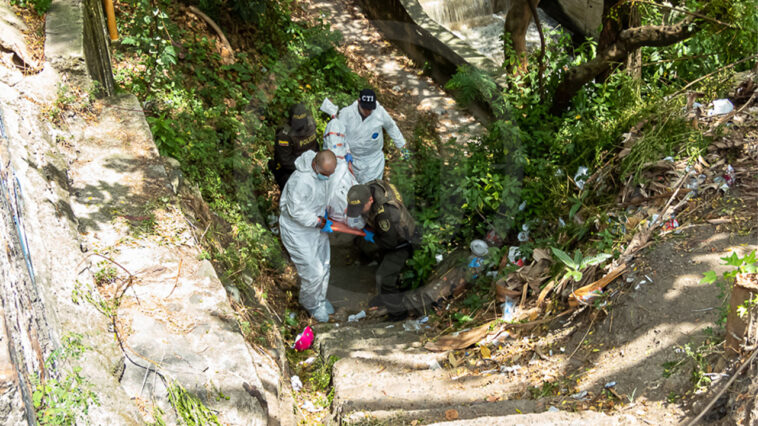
<point>325,162</point>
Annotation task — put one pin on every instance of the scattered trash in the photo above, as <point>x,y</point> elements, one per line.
<point>523,236</point>
<point>304,340</point>
<point>509,309</point>
<point>559,173</point>
<point>639,284</point>
<point>514,255</point>
<point>438,258</point>
<point>491,274</point>
<point>493,239</point>
<point>721,107</point>
<point>308,406</point>
<point>581,172</point>
<point>494,370</point>
<point>308,361</point>
<point>561,222</point>
<point>390,326</point>
<point>669,159</point>
<point>579,395</point>
<point>397,88</point>
<point>412,325</point>
<point>553,409</point>
<point>670,225</point>
<point>522,206</point>
<point>296,383</point>
<point>609,385</point>
<point>423,320</point>
<point>479,248</point>
<point>513,369</point>
<point>433,364</point>
<point>729,175</point>
<point>354,318</point>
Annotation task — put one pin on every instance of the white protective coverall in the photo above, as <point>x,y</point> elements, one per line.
<point>342,179</point>
<point>365,140</point>
<point>303,200</point>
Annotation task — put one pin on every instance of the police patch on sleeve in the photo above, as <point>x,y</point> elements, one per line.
<point>384,225</point>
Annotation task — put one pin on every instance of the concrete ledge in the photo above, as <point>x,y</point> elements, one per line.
<point>405,23</point>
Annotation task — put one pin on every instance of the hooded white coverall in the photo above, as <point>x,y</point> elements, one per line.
<point>342,179</point>
<point>303,200</point>
<point>365,140</point>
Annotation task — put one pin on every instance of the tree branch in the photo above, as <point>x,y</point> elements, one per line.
<point>628,40</point>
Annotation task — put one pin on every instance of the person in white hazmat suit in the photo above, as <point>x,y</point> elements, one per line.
<point>342,179</point>
<point>304,226</point>
<point>364,121</point>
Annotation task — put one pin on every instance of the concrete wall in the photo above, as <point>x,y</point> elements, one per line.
<point>76,43</point>
<point>405,23</point>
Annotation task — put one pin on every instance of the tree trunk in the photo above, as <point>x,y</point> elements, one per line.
<point>742,332</point>
<point>516,23</point>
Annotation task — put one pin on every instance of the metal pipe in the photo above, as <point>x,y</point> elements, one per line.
<point>111,19</point>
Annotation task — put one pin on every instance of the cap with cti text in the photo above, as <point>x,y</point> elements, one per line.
<point>367,99</point>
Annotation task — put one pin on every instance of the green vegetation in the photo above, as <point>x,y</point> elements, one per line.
<point>63,400</point>
<point>740,265</point>
<point>216,110</point>
<point>190,409</point>
<point>39,6</point>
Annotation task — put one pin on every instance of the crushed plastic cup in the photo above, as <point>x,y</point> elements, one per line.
<point>296,383</point>
<point>509,309</point>
<point>354,318</point>
<point>610,385</point>
<point>580,177</point>
<point>522,206</point>
<point>479,248</point>
<point>514,254</point>
<point>438,258</point>
<point>721,107</point>
<point>730,175</point>
<point>304,340</point>
<point>523,236</point>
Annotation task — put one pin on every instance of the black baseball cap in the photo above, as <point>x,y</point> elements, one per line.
<point>367,99</point>
<point>357,197</point>
<point>301,120</point>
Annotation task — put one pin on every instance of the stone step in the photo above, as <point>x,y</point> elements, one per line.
<point>430,415</point>
<point>564,418</point>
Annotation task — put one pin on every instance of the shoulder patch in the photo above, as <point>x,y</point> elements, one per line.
<point>380,210</point>
<point>283,142</point>
<point>384,225</point>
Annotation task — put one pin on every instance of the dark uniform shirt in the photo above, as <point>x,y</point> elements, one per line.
<point>290,146</point>
<point>392,223</point>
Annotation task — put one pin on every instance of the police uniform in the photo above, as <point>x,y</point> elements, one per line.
<point>395,235</point>
<point>292,142</point>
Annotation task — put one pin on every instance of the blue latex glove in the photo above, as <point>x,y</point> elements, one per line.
<point>349,157</point>
<point>369,236</point>
<point>405,153</point>
<point>327,226</point>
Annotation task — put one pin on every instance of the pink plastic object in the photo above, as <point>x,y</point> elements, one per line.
<point>304,340</point>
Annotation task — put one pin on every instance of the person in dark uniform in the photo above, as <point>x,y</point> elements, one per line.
<point>380,205</point>
<point>296,137</point>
